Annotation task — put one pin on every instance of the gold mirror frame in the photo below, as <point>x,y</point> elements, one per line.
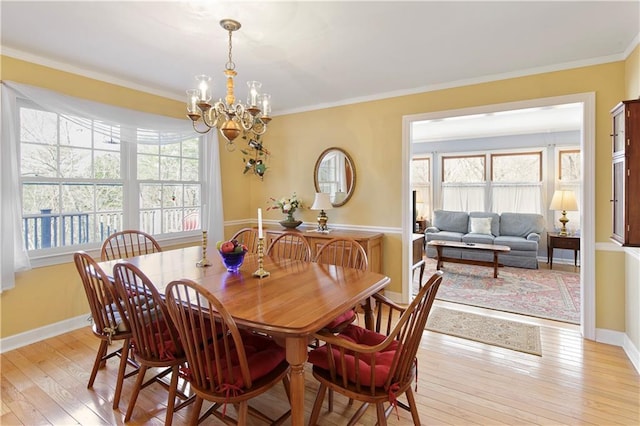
<point>342,157</point>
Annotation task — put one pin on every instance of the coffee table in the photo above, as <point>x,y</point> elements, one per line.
<point>496,249</point>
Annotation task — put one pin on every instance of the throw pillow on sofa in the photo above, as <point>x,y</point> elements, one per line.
<point>480,225</point>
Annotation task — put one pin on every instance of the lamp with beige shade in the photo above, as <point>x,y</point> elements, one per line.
<point>564,200</point>
<point>322,202</point>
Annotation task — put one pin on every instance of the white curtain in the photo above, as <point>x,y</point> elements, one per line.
<point>13,255</point>
<point>213,220</point>
<point>463,198</point>
<point>521,198</point>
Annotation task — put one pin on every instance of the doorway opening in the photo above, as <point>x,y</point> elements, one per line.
<point>585,131</point>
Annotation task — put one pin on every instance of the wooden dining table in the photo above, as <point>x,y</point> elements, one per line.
<point>294,301</point>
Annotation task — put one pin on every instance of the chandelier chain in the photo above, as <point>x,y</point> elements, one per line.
<point>230,64</point>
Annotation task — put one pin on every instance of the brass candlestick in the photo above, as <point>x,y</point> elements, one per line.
<point>204,261</point>
<point>260,272</point>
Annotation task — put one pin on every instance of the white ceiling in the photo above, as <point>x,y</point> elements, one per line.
<point>316,54</point>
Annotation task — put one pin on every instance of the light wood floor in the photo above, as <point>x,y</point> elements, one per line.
<point>461,382</point>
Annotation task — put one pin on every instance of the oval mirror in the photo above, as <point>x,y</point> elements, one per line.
<point>335,173</point>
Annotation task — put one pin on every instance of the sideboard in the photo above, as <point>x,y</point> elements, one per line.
<point>370,241</point>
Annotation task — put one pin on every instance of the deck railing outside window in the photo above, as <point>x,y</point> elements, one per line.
<point>47,230</point>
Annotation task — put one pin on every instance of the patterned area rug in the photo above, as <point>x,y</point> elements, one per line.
<point>492,331</point>
<point>542,293</point>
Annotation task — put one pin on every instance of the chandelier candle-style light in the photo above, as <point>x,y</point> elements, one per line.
<point>230,117</point>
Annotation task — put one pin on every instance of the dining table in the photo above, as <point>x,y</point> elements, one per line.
<point>294,301</point>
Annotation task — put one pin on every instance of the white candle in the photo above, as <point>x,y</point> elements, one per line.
<point>259,223</point>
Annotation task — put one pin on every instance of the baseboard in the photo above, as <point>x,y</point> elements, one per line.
<point>632,352</point>
<point>42,333</point>
<point>610,337</point>
<point>618,338</point>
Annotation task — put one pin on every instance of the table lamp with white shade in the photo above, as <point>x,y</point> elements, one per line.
<point>322,202</point>
<point>564,200</point>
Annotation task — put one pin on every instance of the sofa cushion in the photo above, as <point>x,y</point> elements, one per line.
<point>495,221</point>
<point>516,243</point>
<point>444,236</point>
<point>478,238</point>
<point>521,224</point>
<point>446,220</point>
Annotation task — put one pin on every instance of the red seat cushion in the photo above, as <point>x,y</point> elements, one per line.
<point>345,318</point>
<point>383,359</point>
<point>166,348</point>
<point>263,356</point>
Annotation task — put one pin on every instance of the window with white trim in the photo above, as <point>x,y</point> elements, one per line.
<point>76,190</point>
<point>569,177</point>
<point>516,182</point>
<point>511,183</point>
<point>463,183</point>
<point>421,183</point>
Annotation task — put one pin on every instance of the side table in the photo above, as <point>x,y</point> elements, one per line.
<point>569,242</point>
<point>418,256</point>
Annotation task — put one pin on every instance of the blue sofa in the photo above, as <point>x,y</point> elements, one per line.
<point>519,231</point>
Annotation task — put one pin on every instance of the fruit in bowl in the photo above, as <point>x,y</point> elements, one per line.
<point>232,254</point>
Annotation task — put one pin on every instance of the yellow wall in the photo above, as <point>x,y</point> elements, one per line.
<point>632,74</point>
<point>370,132</point>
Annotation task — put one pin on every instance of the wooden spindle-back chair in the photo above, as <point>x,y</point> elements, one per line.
<point>129,243</point>
<point>155,339</point>
<point>109,320</point>
<point>248,237</point>
<point>348,253</point>
<point>345,252</point>
<point>290,245</point>
<point>373,367</point>
<point>235,366</point>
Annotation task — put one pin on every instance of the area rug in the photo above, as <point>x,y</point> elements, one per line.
<point>542,293</point>
<point>512,335</point>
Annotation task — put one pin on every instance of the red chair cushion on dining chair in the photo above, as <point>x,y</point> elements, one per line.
<point>383,359</point>
<point>263,356</point>
<point>165,346</point>
<point>344,318</point>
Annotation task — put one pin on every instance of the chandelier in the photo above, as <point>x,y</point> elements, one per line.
<point>230,117</point>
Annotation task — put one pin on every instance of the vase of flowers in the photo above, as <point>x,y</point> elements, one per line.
<point>288,206</point>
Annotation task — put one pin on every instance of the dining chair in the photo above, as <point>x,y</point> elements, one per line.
<point>290,245</point>
<point>155,340</point>
<point>375,366</point>
<point>348,253</point>
<point>129,243</point>
<point>343,251</point>
<point>248,237</point>
<point>232,368</point>
<point>109,321</point>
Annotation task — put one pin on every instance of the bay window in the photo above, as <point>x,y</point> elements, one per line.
<point>74,171</point>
